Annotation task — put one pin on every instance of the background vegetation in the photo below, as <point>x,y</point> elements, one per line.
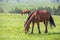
<point>15,6</point>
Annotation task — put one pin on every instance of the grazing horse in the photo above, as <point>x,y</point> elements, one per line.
<point>26,11</point>
<point>39,16</point>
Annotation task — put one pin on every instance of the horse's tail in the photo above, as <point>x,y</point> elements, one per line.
<point>51,20</point>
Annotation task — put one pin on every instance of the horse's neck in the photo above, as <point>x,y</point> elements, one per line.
<point>30,19</point>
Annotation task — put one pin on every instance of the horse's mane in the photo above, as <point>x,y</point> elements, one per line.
<point>29,17</point>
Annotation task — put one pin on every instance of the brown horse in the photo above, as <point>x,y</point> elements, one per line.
<point>26,11</point>
<point>39,16</point>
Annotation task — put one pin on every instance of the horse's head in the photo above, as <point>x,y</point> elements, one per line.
<point>26,28</point>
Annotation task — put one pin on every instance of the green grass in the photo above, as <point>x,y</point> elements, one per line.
<point>12,28</point>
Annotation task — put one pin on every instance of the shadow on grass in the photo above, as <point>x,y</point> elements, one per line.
<point>53,33</point>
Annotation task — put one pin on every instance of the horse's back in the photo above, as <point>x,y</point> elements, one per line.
<point>25,10</point>
<point>42,15</point>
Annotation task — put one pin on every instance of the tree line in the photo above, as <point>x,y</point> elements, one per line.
<point>54,11</point>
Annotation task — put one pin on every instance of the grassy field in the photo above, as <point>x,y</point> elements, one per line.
<point>12,28</point>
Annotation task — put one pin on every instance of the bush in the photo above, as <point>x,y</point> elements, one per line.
<point>16,10</point>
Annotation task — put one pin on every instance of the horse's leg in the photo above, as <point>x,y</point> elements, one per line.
<point>46,23</point>
<point>28,13</point>
<point>38,28</point>
<point>32,27</point>
<point>21,13</point>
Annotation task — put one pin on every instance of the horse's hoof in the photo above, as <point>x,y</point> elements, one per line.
<point>39,32</point>
<point>25,32</point>
<point>45,31</point>
<point>31,32</point>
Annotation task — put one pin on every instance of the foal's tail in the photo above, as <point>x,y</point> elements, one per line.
<point>51,20</point>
